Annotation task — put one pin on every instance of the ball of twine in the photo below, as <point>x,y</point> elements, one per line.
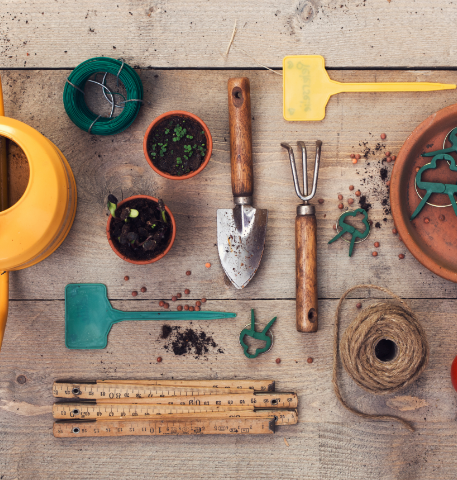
<point>358,350</point>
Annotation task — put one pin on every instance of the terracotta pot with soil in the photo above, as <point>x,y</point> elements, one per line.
<point>140,229</point>
<point>177,145</point>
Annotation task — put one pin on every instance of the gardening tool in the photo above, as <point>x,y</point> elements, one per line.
<point>307,87</point>
<point>241,231</point>
<point>89,316</point>
<point>346,228</point>
<point>32,228</point>
<point>305,243</point>
<point>263,336</point>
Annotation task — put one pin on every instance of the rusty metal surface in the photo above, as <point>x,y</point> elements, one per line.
<point>432,236</point>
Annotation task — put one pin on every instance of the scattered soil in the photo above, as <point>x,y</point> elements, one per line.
<point>150,241</point>
<point>177,145</point>
<point>186,340</point>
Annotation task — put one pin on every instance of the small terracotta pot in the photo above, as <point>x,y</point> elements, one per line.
<point>152,260</point>
<point>209,144</point>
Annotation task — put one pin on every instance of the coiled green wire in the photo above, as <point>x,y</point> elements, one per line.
<point>82,116</point>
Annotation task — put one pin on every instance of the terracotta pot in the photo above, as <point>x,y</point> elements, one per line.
<point>209,144</point>
<point>152,260</point>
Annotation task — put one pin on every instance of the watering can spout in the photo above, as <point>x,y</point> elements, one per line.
<point>4,284</point>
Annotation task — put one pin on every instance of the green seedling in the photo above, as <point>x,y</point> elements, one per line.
<point>125,213</point>
<point>179,161</point>
<point>162,210</point>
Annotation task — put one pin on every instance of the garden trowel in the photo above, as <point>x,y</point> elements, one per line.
<point>241,231</point>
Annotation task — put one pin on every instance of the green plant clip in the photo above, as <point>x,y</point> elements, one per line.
<point>435,187</point>
<point>346,228</point>
<point>257,335</point>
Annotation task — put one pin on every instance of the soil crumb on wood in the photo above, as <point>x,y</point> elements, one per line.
<point>187,340</point>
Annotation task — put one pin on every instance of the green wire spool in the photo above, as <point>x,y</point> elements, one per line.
<point>82,116</point>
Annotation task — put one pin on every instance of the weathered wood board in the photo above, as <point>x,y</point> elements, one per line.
<point>328,442</point>
<point>117,165</point>
<point>195,33</point>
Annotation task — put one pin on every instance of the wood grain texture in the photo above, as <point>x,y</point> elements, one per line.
<point>101,165</point>
<point>195,33</point>
<point>239,108</point>
<point>327,443</point>
<point>307,312</point>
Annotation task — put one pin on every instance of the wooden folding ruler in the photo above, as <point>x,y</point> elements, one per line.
<point>171,395</point>
<point>194,426</point>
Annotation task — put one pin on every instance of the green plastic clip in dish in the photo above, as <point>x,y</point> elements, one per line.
<point>263,336</point>
<point>346,228</point>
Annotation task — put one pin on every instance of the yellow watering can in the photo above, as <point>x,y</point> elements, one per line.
<point>39,221</point>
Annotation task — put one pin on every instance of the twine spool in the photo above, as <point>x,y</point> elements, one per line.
<point>383,350</point>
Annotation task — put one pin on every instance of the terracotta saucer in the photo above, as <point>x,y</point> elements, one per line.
<point>434,241</point>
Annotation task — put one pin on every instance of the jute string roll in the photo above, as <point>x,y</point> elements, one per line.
<point>380,321</point>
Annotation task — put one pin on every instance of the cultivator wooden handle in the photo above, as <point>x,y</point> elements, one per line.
<point>239,94</point>
<point>306,270</point>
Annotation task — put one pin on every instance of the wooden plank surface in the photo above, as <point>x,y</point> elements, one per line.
<point>195,33</point>
<point>328,442</point>
<point>117,165</point>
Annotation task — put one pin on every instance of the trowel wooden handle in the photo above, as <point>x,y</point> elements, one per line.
<point>306,273</point>
<point>239,101</point>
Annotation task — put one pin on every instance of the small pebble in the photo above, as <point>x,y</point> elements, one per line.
<point>208,265</point>
<point>394,231</point>
<point>309,360</point>
<point>187,291</point>
<point>178,295</point>
<point>340,197</point>
<point>426,220</point>
<point>417,169</point>
<point>166,305</point>
<point>188,272</point>
<point>161,303</point>
<point>159,359</point>
<point>388,159</point>
<point>340,206</point>
<point>383,136</point>
<point>357,156</point>
<point>350,201</point>
<point>198,303</point>
<point>144,289</point>
<point>393,157</point>
<point>351,187</point>
<point>358,193</point>
<point>352,155</point>
<point>191,309</point>
<point>401,256</point>
<point>442,217</point>
<point>203,300</point>
<point>354,161</point>
<point>278,360</point>
<point>334,227</point>
<point>376,244</point>
<point>375,254</point>
<point>174,298</point>
<point>321,201</point>
<point>197,309</point>
<point>358,305</point>
<point>179,308</point>
<point>126,278</point>
<point>186,307</point>
<point>387,154</point>
<point>134,293</point>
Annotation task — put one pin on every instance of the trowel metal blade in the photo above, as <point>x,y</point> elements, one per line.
<point>241,233</point>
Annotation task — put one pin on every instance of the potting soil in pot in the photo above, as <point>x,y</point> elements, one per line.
<point>144,237</point>
<point>177,145</point>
